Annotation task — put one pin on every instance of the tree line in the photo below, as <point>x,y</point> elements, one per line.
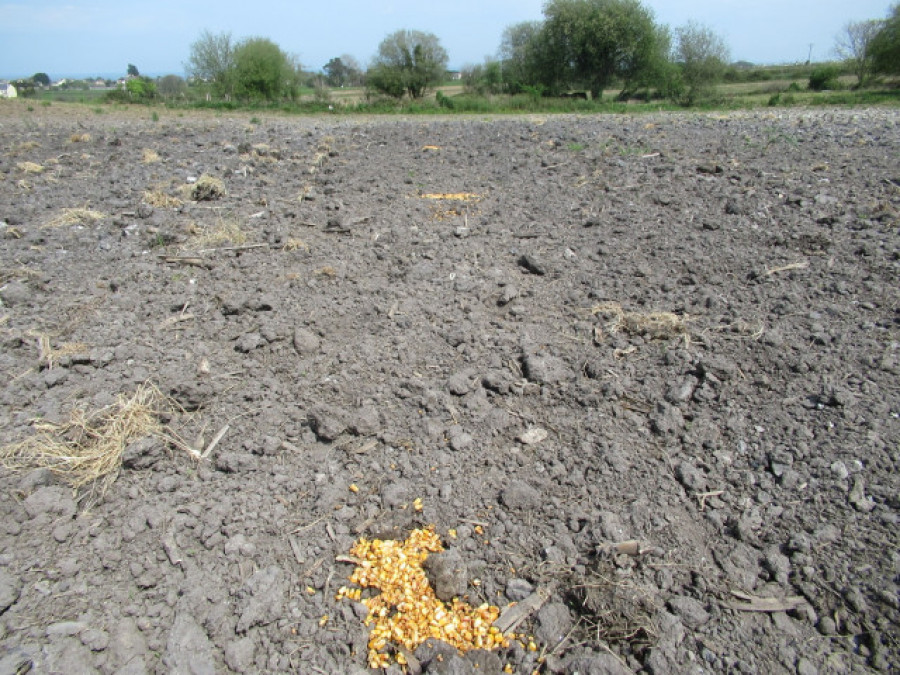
<point>580,47</point>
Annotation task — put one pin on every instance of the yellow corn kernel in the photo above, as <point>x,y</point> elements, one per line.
<point>354,487</point>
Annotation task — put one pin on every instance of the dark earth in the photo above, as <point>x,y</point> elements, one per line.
<point>647,366</point>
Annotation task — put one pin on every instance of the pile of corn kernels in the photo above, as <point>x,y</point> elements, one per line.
<point>407,612</point>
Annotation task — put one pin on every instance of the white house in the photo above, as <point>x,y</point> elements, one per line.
<point>7,90</point>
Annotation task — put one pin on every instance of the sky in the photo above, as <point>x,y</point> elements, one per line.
<point>80,38</point>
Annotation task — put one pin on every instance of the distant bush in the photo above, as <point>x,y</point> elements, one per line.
<point>824,77</point>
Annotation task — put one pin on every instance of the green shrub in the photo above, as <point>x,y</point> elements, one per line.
<point>824,77</point>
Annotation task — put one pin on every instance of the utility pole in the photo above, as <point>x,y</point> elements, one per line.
<point>809,57</point>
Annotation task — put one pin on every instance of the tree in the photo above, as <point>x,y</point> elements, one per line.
<point>885,46</point>
<point>133,70</point>
<point>854,45</point>
<point>702,56</point>
<point>342,70</point>
<point>521,55</point>
<point>212,60</point>
<point>170,86</point>
<point>140,89</point>
<point>408,62</point>
<point>592,42</point>
<point>263,71</point>
<point>486,78</point>
<point>41,78</point>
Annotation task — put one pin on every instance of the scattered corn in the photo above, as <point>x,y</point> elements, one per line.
<point>407,612</point>
<point>417,504</point>
<point>354,487</point>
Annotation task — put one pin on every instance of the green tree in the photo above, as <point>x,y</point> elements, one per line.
<point>342,70</point>
<point>702,57</point>
<point>592,42</point>
<point>133,70</point>
<point>211,60</point>
<point>408,62</point>
<point>41,78</point>
<point>263,71</point>
<point>140,89</point>
<point>885,47</point>
<point>486,78</point>
<point>170,86</point>
<point>854,46</point>
<point>522,56</point>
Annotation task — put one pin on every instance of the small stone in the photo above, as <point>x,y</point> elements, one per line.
<point>461,441</point>
<point>533,436</point>
<point>10,589</point>
<point>691,477</point>
<point>806,667</point>
<point>839,469</point>
<point>305,341</point>
<point>507,295</point>
<point>460,384</point>
<point>554,621</point>
<point>448,574</point>
<point>545,369</point>
<point>690,611</point>
<point>248,342</point>
<point>858,497</point>
<point>521,496</point>
<point>239,654</point>
<point>517,589</point>
<point>533,264</point>
<point>327,423</point>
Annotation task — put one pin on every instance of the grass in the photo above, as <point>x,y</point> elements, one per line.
<point>76,216</point>
<point>88,448</point>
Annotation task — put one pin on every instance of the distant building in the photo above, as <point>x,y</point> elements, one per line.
<point>7,90</point>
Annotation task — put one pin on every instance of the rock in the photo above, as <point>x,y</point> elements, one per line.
<point>666,419</point>
<point>16,293</point>
<point>533,264</point>
<point>460,383</point>
<point>365,421</point>
<point>263,597</point>
<point>305,341</point>
<point>507,295</point>
<point>517,589</point>
<point>10,589</point>
<point>520,496</point>
<point>554,621</point>
<point>692,478</point>
<point>189,650</point>
<point>53,501</point>
<point>327,423</point>
<point>248,342</point>
<point>598,664</point>
<point>448,573</point>
<point>127,645</point>
<point>239,654</point>
<point>533,436</point>
<point>858,497</point>
<point>545,369</point>
<point>461,441</point>
<point>690,611</point>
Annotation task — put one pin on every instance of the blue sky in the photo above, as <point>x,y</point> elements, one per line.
<point>101,37</point>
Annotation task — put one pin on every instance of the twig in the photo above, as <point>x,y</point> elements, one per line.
<point>703,496</point>
<point>214,442</point>
<point>183,260</point>
<point>800,265</point>
<point>754,604</point>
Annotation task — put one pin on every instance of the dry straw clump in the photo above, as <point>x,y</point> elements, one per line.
<point>88,448</point>
<point>78,216</point>
<point>149,156</point>
<point>655,325</point>
<point>208,188</point>
<point>160,199</point>
<point>29,167</point>
<point>80,138</point>
<point>223,232</point>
